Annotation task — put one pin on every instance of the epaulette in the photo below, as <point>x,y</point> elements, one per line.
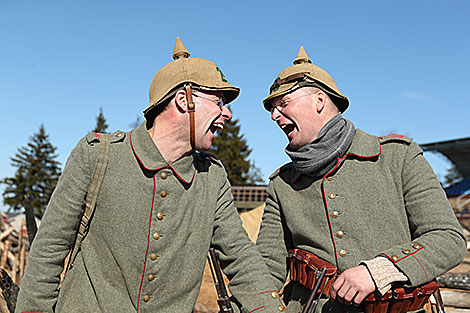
<point>93,137</point>
<point>395,138</point>
<point>285,167</point>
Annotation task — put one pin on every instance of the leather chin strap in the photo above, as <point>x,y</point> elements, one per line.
<point>191,108</point>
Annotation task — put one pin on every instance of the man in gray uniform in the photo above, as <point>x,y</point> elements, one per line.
<point>371,206</point>
<point>161,206</point>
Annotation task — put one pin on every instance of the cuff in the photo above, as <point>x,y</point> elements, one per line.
<point>384,273</point>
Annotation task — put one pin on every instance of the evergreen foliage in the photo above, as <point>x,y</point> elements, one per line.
<point>136,123</point>
<point>452,177</point>
<point>101,125</point>
<point>232,149</point>
<point>36,175</point>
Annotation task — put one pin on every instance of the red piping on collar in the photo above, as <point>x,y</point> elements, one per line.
<point>148,242</point>
<point>97,135</point>
<point>138,158</point>
<point>324,193</point>
<point>159,168</point>
<point>187,182</point>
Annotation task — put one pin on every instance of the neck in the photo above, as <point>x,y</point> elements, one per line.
<point>171,137</point>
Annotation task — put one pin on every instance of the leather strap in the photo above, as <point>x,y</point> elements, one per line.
<point>191,108</point>
<point>91,198</point>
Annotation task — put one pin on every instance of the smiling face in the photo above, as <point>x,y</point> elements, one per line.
<point>209,117</point>
<point>299,116</point>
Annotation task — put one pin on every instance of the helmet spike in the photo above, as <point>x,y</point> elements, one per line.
<point>302,57</point>
<point>180,50</point>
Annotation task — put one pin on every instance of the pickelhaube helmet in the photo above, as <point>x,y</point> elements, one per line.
<point>202,74</point>
<point>302,74</point>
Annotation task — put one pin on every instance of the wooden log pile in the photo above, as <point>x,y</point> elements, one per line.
<point>14,247</point>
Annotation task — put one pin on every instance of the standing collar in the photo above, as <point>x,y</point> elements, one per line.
<point>364,145</point>
<point>151,159</point>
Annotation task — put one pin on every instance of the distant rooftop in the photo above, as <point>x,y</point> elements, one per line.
<point>457,151</point>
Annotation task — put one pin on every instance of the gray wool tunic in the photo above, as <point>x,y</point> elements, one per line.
<point>381,199</point>
<point>149,237</point>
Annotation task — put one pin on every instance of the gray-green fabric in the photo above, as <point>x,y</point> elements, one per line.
<point>383,196</point>
<point>133,220</point>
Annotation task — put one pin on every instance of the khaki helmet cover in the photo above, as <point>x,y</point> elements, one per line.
<point>200,73</point>
<point>303,74</point>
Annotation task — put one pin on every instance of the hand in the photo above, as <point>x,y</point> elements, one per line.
<point>352,286</point>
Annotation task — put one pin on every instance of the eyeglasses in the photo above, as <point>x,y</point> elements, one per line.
<point>283,103</point>
<point>219,102</point>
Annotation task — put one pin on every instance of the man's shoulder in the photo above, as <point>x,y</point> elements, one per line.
<point>95,138</point>
<point>395,138</point>
<point>204,160</point>
<point>286,169</point>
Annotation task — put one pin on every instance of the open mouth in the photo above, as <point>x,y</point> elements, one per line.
<point>216,127</point>
<point>288,128</point>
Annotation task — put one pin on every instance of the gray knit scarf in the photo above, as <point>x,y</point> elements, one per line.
<point>319,157</point>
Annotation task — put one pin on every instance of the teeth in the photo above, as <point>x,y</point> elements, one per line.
<point>283,126</point>
<point>219,126</point>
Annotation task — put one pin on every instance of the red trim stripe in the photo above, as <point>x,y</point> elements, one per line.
<point>324,194</point>
<point>409,254</point>
<point>148,243</point>
<point>425,273</point>
<point>159,168</point>
<point>261,307</point>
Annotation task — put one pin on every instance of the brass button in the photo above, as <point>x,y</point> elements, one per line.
<point>160,215</point>
<point>330,178</point>
<point>156,235</point>
<point>343,253</point>
<point>163,175</point>
<point>395,257</point>
<point>416,245</point>
<point>280,307</point>
<point>119,134</point>
<point>164,194</point>
<point>151,277</point>
<point>335,214</point>
<point>274,295</point>
<point>146,298</point>
<point>340,234</point>
<point>153,256</point>
<point>406,251</point>
<point>332,195</point>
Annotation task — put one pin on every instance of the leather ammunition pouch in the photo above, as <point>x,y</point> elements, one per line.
<point>399,300</point>
<point>304,265</point>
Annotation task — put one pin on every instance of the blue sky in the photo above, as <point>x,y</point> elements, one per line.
<point>403,64</point>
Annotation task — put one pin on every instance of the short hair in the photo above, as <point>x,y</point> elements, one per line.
<point>152,114</point>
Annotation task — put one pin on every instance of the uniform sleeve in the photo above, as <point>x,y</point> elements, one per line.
<point>250,282</point>
<point>274,239</point>
<point>438,243</point>
<point>55,236</point>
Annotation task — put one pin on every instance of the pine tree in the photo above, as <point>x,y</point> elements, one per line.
<point>136,123</point>
<point>36,175</point>
<point>232,149</point>
<point>101,125</point>
<point>452,177</point>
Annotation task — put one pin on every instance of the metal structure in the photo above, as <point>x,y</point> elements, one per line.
<point>249,197</point>
<point>458,152</point>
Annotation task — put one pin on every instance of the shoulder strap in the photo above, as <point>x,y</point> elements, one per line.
<point>91,197</point>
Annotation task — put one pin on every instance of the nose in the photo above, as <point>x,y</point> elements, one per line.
<point>227,115</point>
<point>275,114</point>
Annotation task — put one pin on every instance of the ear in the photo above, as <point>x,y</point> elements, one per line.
<point>320,101</point>
<point>180,101</point>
